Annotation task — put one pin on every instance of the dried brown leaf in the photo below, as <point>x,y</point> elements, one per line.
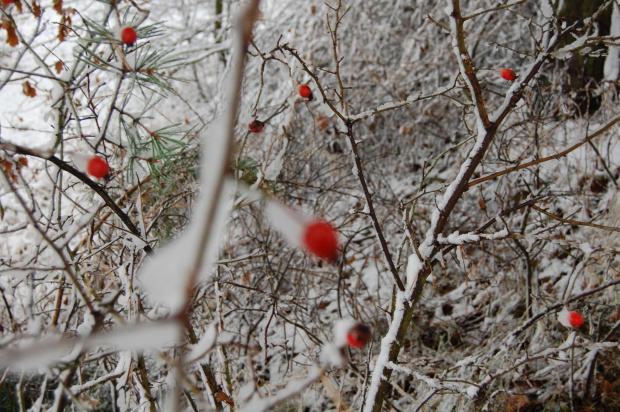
<point>28,90</point>
<point>64,27</point>
<point>222,397</point>
<point>36,8</point>
<point>58,6</point>
<point>321,123</point>
<point>12,38</point>
<point>8,170</point>
<point>516,402</point>
<point>58,66</point>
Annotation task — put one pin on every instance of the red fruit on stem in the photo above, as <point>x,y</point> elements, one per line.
<point>570,319</point>
<point>305,92</point>
<point>98,167</point>
<point>321,239</point>
<point>508,74</point>
<point>129,36</point>
<point>358,336</point>
<point>256,126</point>
<point>575,319</point>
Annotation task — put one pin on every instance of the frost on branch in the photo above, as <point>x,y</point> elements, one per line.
<point>452,186</point>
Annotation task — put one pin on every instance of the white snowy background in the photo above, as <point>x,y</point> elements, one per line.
<point>229,312</point>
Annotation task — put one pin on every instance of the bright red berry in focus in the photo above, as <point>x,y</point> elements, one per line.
<point>305,92</point>
<point>129,36</point>
<point>256,126</point>
<point>575,319</point>
<point>358,336</point>
<point>321,239</point>
<point>98,167</point>
<point>508,74</point>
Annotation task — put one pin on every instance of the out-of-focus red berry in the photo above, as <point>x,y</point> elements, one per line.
<point>98,167</point>
<point>321,239</point>
<point>129,36</point>
<point>570,319</point>
<point>256,126</point>
<point>575,319</point>
<point>305,92</point>
<point>358,336</point>
<point>508,74</point>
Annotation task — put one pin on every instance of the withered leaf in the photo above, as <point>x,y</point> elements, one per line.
<point>8,170</point>
<point>28,90</point>
<point>321,123</point>
<point>36,8</point>
<point>58,66</point>
<point>11,39</point>
<point>64,27</point>
<point>58,6</point>
<point>517,402</point>
<point>222,397</point>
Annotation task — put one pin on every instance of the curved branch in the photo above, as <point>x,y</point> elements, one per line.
<point>85,179</point>
<point>547,158</point>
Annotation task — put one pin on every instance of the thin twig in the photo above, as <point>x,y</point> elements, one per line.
<point>547,158</point>
<point>575,222</point>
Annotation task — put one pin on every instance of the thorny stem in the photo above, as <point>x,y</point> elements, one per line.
<point>486,134</point>
<point>466,65</point>
<point>358,166</point>
<point>316,80</point>
<point>373,215</point>
<point>334,36</point>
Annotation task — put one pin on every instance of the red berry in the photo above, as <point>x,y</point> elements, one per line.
<point>8,1</point>
<point>98,167</point>
<point>305,92</point>
<point>575,319</point>
<point>358,336</point>
<point>256,126</point>
<point>508,74</point>
<point>321,239</point>
<point>129,36</point>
